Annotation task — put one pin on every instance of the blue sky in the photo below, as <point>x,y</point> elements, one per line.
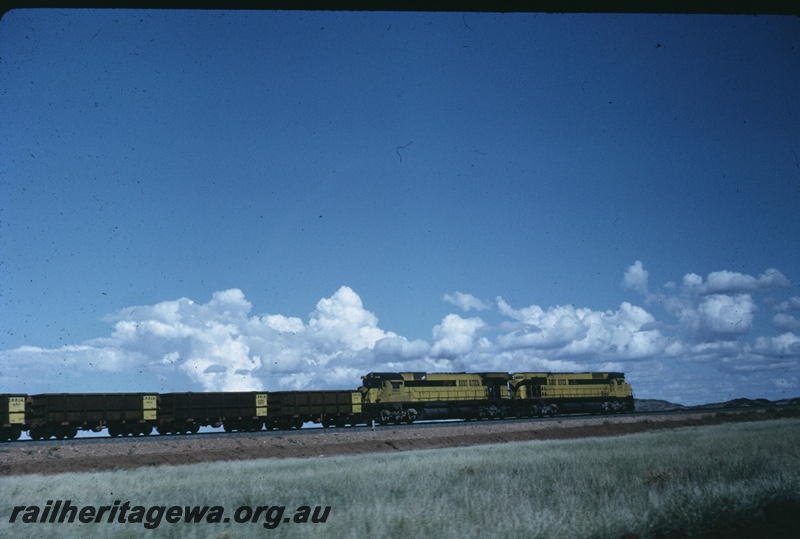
<point>238,200</point>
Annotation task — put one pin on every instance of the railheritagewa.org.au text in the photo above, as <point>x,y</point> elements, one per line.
<point>153,516</point>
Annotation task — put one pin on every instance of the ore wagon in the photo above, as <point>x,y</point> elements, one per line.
<point>62,415</point>
<point>290,409</point>
<point>236,411</point>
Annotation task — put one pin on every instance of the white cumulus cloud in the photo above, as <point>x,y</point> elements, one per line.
<point>466,301</point>
<point>455,336</point>
<point>636,277</point>
<point>580,332</point>
<point>792,304</point>
<point>713,324</point>
<point>726,315</point>
<point>729,282</point>
<point>786,322</point>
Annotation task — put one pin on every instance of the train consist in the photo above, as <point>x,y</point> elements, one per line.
<point>383,398</point>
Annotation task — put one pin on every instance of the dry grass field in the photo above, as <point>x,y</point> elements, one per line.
<point>735,479</point>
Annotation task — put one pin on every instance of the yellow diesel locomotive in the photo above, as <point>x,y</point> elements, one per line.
<point>405,397</point>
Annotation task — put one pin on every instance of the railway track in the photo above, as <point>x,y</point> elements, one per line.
<point>105,453</point>
<point>87,438</point>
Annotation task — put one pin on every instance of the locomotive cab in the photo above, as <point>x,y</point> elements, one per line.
<point>382,387</point>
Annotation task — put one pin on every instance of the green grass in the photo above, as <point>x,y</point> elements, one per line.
<point>647,484</point>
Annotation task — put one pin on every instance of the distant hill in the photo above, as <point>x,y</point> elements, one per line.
<point>738,403</point>
<point>656,405</point>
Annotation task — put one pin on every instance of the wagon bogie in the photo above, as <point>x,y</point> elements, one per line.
<point>10,433</point>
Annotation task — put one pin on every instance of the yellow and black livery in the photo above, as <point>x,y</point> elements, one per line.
<point>404,397</point>
<point>549,393</point>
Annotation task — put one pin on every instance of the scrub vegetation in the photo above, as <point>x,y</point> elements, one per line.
<point>686,481</point>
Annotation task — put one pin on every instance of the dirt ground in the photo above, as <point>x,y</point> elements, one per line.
<point>73,456</point>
